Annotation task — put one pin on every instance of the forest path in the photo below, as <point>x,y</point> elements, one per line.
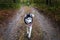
<point>43,29</point>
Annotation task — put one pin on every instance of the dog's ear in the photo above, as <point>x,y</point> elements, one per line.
<point>32,15</point>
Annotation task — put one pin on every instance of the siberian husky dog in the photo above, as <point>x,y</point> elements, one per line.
<point>28,19</point>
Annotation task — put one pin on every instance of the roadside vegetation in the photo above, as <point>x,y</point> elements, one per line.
<point>9,7</point>
<point>50,8</point>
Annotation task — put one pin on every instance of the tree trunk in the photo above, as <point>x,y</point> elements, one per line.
<point>49,2</point>
<point>46,2</point>
<point>14,1</point>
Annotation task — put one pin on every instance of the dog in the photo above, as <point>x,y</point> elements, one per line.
<point>28,19</point>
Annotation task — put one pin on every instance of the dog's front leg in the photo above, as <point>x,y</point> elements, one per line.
<point>30,30</point>
<point>27,30</point>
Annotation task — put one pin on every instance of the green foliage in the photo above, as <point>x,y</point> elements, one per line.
<point>9,1</point>
<point>6,4</point>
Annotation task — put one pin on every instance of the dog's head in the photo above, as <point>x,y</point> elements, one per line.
<point>28,18</point>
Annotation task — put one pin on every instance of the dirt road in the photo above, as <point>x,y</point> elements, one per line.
<point>43,29</point>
